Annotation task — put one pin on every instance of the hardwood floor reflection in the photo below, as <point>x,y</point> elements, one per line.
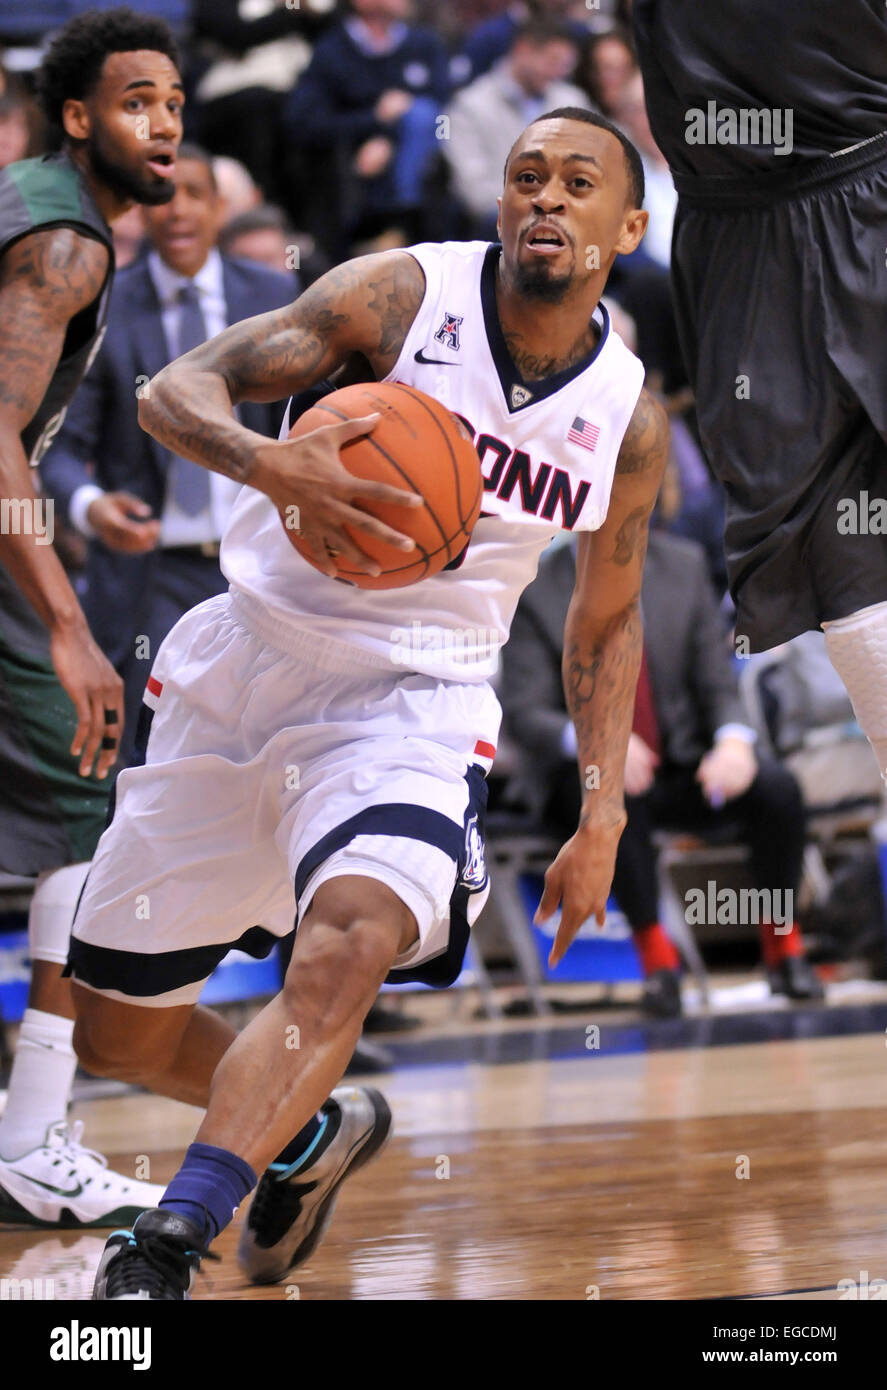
<point>727,1172</point>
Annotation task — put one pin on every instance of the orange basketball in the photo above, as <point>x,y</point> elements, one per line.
<point>419,446</point>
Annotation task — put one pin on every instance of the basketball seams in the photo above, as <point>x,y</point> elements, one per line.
<point>425,554</point>
<point>368,439</point>
<point>428,555</point>
<point>415,395</point>
<point>450,545</point>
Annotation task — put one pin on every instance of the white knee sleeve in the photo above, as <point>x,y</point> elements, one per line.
<point>857,648</point>
<point>52,912</point>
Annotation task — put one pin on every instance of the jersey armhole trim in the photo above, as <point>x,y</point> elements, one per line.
<point>641,376</point>
<point>411,252</point>
<point>84,229</point>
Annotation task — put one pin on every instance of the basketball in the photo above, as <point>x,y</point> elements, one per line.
<point>417,445</point>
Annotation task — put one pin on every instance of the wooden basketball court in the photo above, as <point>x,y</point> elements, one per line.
<point>670,1163</point>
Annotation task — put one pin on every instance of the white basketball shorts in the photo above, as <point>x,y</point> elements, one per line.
<point>267,772</point>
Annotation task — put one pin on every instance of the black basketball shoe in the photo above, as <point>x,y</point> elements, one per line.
<point>661,997</point>
<point>795,977</point>
<point>157,1259</point>
<point>293,1205</point>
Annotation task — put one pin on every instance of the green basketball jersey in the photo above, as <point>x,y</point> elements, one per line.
<point>37,195</point>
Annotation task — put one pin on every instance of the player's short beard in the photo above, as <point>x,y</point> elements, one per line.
<point>534,282</point>
<point>124,183</point>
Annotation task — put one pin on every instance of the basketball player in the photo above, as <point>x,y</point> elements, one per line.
<point>381,830</point>
<point>774,121</point>
<point>113,96</point>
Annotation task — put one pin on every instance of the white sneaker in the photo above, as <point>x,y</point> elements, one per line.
<point>64,1184</point>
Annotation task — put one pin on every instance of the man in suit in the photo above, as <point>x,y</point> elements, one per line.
<point>154,521</point>
<point>691,763</point>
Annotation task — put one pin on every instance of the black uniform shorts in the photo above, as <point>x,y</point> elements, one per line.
<point>781,302</point>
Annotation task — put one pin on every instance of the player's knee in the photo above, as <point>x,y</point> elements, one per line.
<point>343,956</point>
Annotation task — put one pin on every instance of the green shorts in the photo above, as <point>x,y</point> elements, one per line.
<point>49,815</point>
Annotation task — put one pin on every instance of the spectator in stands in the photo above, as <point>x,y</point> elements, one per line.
<point>20,125</point>
<point>25,25</point>
<point>490,40</point>
<point>238,190</point>
<point>691,763</point>
<point>370,100</point>
<point>253,57</point>
<point>153,520</point>
<point>487,116</point>
<point>263,235</point>
<point>660,198</point>
<point>608,64</point>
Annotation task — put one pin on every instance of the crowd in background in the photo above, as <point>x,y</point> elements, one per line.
<point>335,109</point>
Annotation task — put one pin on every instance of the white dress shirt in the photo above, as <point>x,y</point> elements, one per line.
<point>176,527</point>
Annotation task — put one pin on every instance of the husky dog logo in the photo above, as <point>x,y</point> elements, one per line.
<point>448,333</point>
<point>474,874</point>
<point>519,396</point>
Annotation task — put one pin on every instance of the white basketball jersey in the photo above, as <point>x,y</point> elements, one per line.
<point>548,452</point>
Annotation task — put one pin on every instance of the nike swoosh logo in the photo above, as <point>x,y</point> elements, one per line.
<point>433,361</point>
<point>56,1191</point>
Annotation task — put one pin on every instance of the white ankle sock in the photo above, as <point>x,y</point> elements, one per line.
<point>40,1082</point>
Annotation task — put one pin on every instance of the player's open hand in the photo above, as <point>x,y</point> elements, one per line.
<point>316,495</point>
<point>580,880</point>
<point>97,692</point>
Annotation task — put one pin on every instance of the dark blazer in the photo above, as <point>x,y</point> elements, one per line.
<point>101,440</point>
<point>694,688</point>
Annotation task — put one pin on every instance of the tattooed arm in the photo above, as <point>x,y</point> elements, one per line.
<point>46,278</point>
<point>602,654</point>
<point>365,306</point>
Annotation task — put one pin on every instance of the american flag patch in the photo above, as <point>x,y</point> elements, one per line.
<point>584,433</point>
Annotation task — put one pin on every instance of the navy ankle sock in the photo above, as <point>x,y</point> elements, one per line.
<point>209,1187</point>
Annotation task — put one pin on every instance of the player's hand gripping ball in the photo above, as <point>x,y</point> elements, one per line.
<point>419,446</point>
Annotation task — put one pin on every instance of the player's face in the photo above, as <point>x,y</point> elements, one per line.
<point>565,211</point>
<point>184,230</point>
<point>133,125</point>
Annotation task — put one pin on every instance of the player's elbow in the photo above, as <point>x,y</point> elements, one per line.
<point>151,395</point>
<point>590,626</point>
